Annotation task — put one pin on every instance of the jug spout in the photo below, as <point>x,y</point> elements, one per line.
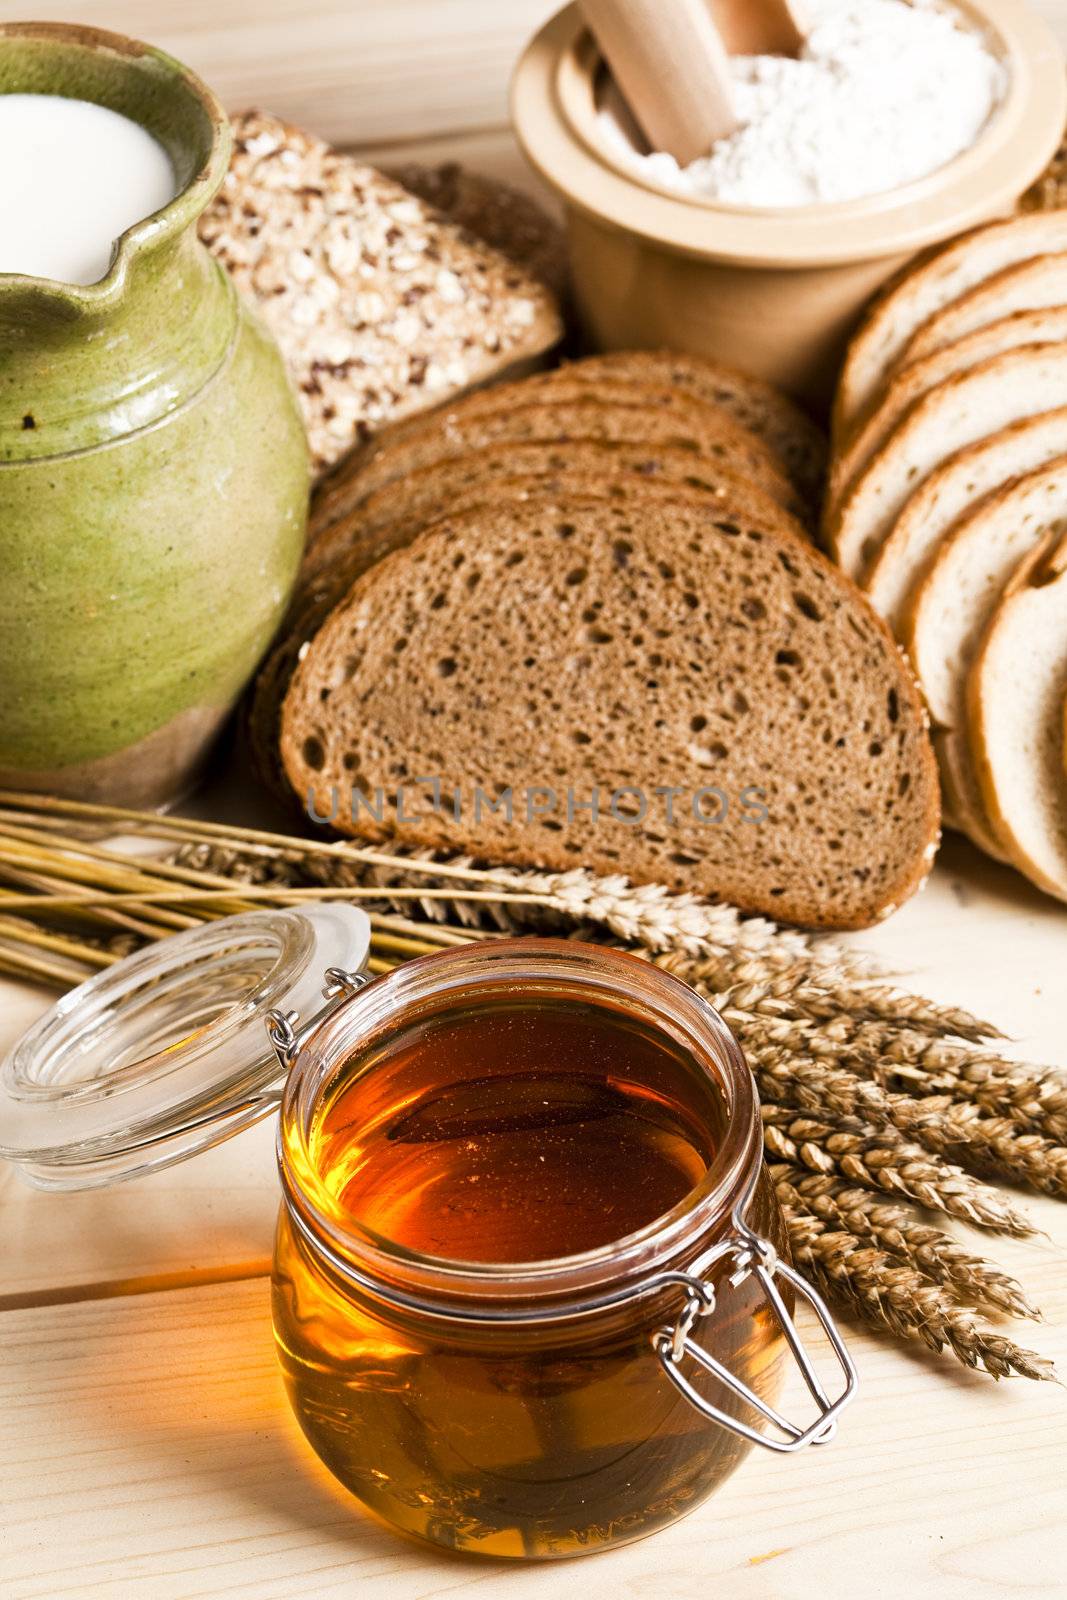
<point>86,364</point>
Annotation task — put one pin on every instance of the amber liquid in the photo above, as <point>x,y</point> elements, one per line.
<point>510,1133</point>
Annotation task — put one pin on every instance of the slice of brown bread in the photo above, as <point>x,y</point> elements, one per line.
<point>950,612</point>
<point>949,492</point>
<point>355,545</point>
<point>1015,697</point>
<point>1037,285</point>
<point>514,414</point>
<point>573,646</point>
<point>959,412</point>
<point>797,441</point>
<point>381,306</point>
<point>579,464</point>
<point>908,384</point>
<point>940,277</point>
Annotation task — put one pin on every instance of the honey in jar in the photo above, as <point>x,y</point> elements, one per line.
<point>476,1193</point>
<point>529,1292</point>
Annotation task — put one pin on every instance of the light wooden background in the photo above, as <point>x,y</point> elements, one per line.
<point>146,1449</point>
<point>358,72</point>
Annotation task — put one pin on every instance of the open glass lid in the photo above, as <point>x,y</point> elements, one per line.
<point>167,1052</point>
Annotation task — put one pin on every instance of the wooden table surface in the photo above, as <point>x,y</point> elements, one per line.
<point>146,1446</point>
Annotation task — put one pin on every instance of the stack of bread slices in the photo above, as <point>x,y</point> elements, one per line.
<point>947,504</point>
<point>599,585</point>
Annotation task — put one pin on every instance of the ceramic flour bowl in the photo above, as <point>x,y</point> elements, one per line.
<point>153,467</point>
<point>775,292</point>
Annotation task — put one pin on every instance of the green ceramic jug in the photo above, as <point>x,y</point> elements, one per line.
<point>153,466</point>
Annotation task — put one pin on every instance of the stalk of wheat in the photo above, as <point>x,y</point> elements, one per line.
<point>880,1107</point>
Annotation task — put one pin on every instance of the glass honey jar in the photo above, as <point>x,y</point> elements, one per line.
<point>530,1293</point>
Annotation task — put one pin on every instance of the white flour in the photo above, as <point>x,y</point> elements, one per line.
<point>886,91</point>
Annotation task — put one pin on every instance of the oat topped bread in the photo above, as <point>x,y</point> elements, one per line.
<point>381,305</point>
<point>497,212</point>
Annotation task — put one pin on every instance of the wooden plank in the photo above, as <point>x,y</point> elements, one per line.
<point>146,1447</point>
<point>355,71</point>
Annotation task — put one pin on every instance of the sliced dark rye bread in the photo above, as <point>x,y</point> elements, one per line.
<point>576,646</point>
<point>431,492</point>
<point>797,441</point>
<point>354,547</point>
<point>517,413</point>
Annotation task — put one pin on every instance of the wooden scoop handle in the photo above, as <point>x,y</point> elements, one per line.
<point>672,68</point>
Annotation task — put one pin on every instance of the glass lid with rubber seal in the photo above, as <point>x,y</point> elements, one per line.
<point>166,1052</point>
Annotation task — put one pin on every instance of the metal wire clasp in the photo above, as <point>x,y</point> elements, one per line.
<point>283,1028</point>
<point>751,1254</point>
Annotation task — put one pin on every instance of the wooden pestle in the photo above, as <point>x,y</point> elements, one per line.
<point>671,61</point>
<point>672,69</point>
<point>759,27</point>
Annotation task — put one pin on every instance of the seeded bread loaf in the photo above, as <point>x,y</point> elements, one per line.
<point>496,212</point>
<point>576,645</point>
<point>432,492</point>
<point>381,306</point>
<point>949,492</point>
<point>922,291</point>
<point>517,414</point>
<point>797,442</point>
<point>951,610</point>
<point>1015,702</point>
<point>959,412</point>
<point>908,384</point>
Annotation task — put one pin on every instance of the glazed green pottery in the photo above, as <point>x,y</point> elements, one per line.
<point>153,467</point>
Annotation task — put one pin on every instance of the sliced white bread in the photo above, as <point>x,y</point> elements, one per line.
<point>896,315</point>
<point>1015,699</point>
<point>951,610</point>
<point>1038,285</point>
<point>949,492</point>
<point>909,383</point>
<point>959,412</point>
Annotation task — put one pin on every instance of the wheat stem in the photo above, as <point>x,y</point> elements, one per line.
<point>843,1208</point>
<point>881,1158</point>
<point>902,1300</point>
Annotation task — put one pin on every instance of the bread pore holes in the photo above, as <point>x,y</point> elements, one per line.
<point>806,606</point>
<point>314,752</point>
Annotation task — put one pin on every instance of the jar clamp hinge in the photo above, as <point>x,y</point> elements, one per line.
<point>283,1027</point>
<point>755,1255</point>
